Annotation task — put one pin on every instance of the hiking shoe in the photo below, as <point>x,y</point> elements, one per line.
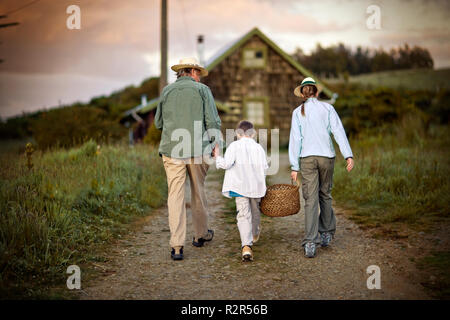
<point>200,241</point>
<point>247,253</point>
<point>310,250</point>
<point>325,237</point>
<point>177,253</point>
<point>256,237</point>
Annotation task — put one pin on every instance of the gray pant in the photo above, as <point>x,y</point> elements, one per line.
<point>317,181</point>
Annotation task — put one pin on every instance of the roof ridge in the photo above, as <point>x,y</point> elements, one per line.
<point>227,50</point>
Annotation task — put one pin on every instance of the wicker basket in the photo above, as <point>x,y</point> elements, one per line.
<point>281,200</point>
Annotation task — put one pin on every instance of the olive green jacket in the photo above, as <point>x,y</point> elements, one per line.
<point>186,110</point>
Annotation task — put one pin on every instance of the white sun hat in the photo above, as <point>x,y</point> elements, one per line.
<point>307,81</point>
<point>190,63</point>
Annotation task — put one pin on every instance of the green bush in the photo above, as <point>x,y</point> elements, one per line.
<point>153,136</point>
<point>440,107</point>
<point>363,109</point>
<point>72,126</point>
<point>17,127</point>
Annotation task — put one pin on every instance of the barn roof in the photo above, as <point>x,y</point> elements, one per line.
<point>233,46</point>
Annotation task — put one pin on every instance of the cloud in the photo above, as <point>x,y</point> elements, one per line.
<point>119,40</point>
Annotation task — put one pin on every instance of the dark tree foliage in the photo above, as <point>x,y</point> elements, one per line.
<point>338,60</point>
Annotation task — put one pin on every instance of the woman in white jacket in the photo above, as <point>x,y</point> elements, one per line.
<point>311,153</point>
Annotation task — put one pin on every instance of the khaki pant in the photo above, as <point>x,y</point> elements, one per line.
<point>317,182</point>
<point>176,170</point>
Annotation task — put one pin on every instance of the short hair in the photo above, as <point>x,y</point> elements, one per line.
<point>246,128</point>
<point>184,72</point>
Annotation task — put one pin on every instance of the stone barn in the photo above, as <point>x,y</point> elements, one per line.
<point>252,79</point>
<point>256,79</point>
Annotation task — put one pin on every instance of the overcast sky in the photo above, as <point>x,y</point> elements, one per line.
<point>46,64</point>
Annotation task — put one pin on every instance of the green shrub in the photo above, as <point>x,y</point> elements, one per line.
<point>153,136</point>
<point>15,128</point>
<point>363,109</point>
<point>72,126</point>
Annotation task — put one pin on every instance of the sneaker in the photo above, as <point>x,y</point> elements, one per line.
<point>247,254</point>
<point>200,241</point>
<point>325,238</point>
<point>310,250</point>
<point>177,253</point>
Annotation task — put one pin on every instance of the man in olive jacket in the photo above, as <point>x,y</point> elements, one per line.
<point>190,124</point>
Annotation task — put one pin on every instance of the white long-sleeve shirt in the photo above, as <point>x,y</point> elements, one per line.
<point>311,134</point>
<point>245,163</point>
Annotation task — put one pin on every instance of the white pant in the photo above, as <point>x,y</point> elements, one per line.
<point>248,218</point>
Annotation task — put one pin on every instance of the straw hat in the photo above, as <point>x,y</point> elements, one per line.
<point>307,81</point>
<point>190,63</point>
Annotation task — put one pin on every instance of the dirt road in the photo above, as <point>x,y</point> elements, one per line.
<point>140,267</point>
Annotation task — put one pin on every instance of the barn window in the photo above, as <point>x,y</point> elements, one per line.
<point>256,111</point>
<point>254,57</point>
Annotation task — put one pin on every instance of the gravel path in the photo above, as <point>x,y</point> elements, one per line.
<point>140,267</point>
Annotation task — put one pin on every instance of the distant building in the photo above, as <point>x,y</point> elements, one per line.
<point>252,79</point>
<point>142,119</point>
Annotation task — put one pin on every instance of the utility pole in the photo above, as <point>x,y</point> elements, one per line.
<point>163,76</point>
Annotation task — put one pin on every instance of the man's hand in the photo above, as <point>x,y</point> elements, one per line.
<point>294,175</point>
<point>350,164</point>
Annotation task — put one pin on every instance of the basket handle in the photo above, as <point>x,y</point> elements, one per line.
<point>297,183</point>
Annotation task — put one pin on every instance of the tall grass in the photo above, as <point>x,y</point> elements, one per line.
<point>68,204</point>
<point>402,175</point>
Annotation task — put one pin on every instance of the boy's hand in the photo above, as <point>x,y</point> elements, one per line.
<point>215,150</point>
<point>294,175</point>
<point>350,164</point>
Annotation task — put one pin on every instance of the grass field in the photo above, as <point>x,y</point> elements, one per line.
<point>69,204</point>
<point>401,176</point>
<point>414,79</point>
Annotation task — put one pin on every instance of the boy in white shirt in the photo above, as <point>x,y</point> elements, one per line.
<point>245,163</point>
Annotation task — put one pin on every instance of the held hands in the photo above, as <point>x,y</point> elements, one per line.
<point>350,164</point>
<point>215,151</point>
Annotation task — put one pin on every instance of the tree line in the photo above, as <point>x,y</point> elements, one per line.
<point>338,60</point>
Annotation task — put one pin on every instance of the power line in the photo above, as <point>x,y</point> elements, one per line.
<point>5,25</point>
<point>5,15</point>
<point>20,8</point>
